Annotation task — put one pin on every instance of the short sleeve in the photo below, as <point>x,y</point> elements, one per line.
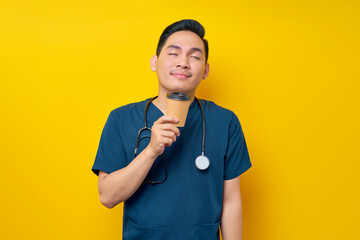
<point>237,159</point>
<point>111,155</point>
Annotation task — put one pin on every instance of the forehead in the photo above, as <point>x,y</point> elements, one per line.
<point>185,39</point>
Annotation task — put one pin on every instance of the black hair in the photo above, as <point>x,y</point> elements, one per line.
<point>183,25</point>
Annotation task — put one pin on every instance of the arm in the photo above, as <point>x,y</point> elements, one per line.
<point>118,186</point>
<point>231,216</point>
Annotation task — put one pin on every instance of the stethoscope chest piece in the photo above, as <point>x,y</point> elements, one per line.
<point>202,162</point>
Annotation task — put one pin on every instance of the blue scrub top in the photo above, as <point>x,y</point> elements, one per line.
<point>188,205</point>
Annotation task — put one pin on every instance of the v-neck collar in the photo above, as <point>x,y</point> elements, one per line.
<point>154,112</point>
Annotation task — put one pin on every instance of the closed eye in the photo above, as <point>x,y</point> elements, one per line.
<point>195,57</point>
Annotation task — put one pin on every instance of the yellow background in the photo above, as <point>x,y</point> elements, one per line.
<point>288,69</point>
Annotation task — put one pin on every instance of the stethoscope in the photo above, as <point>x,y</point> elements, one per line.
<point>201,162</point>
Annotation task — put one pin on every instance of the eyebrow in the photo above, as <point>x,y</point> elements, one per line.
<point>179,48</point>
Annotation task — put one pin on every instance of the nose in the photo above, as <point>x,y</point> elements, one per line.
<point>183,63</point>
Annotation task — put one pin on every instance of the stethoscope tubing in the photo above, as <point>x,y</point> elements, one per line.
<point>201,162</point>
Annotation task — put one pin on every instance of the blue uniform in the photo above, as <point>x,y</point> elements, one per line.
<point>188,205</point>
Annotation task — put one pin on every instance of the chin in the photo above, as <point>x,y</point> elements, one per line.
<point>180,90</point>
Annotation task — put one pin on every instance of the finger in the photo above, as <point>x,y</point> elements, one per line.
<point>169,134</point>
<point>158,128</point>
<point>166,119</point>
<point>168,141</point>
<point>170,127</point>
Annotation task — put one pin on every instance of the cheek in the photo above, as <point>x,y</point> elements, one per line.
<point>200,71</point>
<point>164,66</point>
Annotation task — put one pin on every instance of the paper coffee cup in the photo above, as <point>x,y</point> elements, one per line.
<point>177,105</point>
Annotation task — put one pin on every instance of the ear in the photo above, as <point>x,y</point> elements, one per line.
<point>206,72</point>
<point>153,62</point>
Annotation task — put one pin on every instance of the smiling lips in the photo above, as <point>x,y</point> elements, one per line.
<point>180,74</point>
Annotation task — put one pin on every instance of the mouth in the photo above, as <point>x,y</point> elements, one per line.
<point>180,74</point>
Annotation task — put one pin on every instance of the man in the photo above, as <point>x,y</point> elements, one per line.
<point>190,203</point>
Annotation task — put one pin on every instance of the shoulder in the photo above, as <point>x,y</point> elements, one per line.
<point>214,110</point>
<point>128,109</point>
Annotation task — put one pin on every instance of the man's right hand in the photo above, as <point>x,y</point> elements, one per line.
<point>118,186</point>
<point>163,133</point>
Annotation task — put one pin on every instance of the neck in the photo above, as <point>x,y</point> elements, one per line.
<point>160,101</point>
